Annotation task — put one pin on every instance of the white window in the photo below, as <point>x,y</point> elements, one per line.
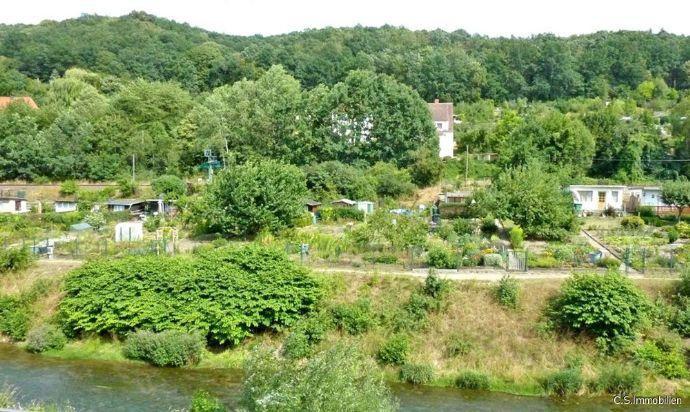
<point>586,196</point>
<point>614,195</point>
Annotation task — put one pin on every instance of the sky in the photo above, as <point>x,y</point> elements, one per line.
<point>487,17</point>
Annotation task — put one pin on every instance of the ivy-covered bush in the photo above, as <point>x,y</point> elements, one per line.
<point>226,294</point>
<point>168,348</point>
<point>45,337</point>
<point>665,359</point>
<point>608,307</point>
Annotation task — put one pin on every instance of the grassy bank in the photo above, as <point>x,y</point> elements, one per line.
<point>470,331</point>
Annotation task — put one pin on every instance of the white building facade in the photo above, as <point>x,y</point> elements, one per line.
<point>597,198</point>
<point>442,115</point>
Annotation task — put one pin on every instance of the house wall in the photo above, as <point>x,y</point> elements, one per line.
<point>446,144</point>
<point>652,198</point>
<point>366,207</point>
<point>590,198</point>
<point>10,206</point>
<point>62,207</point>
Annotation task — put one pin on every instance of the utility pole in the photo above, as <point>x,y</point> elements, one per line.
<point>134,179</point>
<point>467,163</point>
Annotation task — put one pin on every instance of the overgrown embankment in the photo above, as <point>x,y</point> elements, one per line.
<point>469,334</point>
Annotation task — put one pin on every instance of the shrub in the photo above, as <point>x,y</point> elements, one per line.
<point>542,261</point>
<point>337,379</point>
<point>517,237</point>
<point>632,222</point>
<point>394,351</point>
<point>616,379</point>
<point>472,380</point>
<point>666,361</point>
<point>463,226</point>
<point>672,234</point>
<point>45,337</point>
<point>493,260</point>
<point>14,317</point>
<point>457,346</point>
<point>683,286</point>
<point>15,258</point>
<point>434,286</point>
<point>126,187</point>
<point>204,402</point>
<point>646,211</point>
<point>417,374</point>
<point>680,320</point>
<point>488,226</point>
<point>391,181</point>
<point>96,220</point>
<point>168,348</point>
<point>507,292</point>
<point>563,383</point>
<point>68,188</point>
<point>225,294</point>
<point>608,307</point>
<point>442,257</point>
<point>609,262</point>
<point>354,318</point>
<point>348,213</point>
<point>384,258</point>
<point>296,346</point>
<point>169,186</point>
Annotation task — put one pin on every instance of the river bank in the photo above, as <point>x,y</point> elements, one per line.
<point>125,386</point>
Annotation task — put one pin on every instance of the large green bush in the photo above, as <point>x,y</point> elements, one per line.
<point>45,337</point>
<point>245,199</point>
<point>169,348</point>
<point>609,307</point>
<point>337,379</point>
<point>14,317</point>
<point>226,294</point>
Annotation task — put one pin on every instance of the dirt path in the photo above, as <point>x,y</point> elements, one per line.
<point>480,274</point>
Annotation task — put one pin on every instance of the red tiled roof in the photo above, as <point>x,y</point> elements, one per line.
<point>7,100</point>
<point>441,112</point>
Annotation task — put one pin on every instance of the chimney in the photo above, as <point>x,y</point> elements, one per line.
<point>436,101</point>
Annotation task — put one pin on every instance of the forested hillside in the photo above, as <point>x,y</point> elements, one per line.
<point>455,65</point>
<point>604,105</point>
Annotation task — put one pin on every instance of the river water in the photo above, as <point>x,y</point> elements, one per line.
<point>119,386</point>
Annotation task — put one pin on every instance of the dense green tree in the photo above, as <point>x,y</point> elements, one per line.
<point>333,179</point>
<point>677,194</point>
<point>245,199</point>
<point>373,118</point>
<point>533,199</point>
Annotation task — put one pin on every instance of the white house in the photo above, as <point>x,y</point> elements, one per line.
<point>442,115</point>
<point>597,198</point>
<point>65,205</point>
<point>647,196</point>
<point>13,205</point>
